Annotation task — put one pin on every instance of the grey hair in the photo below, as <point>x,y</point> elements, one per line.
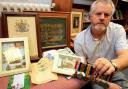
<point>92,8</point>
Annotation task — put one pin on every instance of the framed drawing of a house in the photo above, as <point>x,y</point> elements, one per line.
<point>23,24</point>
<point>54,29</point>
<point>14,56</point>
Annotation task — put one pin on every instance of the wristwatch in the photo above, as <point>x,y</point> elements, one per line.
<point>114,65</point>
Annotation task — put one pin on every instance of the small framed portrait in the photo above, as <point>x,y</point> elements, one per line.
<point>14,56</point>
<point>23,24</point>
<point>65,64</point>
<point>54,27</point>
<point>76,22</point>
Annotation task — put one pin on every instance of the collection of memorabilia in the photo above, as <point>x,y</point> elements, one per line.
<point>65,62</point>
<point>16,52</point>
<point>53,62</point>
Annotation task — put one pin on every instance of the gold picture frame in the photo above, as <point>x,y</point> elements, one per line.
<point>76,22</point>
<point>23,24</point>
<point>54,30</point>
<point>14,56</point>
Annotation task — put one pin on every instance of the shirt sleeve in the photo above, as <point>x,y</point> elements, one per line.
<point>121,41</point>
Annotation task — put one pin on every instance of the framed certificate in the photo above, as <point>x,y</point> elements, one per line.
<point>23,24</point>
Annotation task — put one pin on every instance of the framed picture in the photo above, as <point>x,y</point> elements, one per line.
<point>23,24</point>
<point>14,56</point>
<point>55,29</point>
<point>65,63</point>
<point>76,22</point>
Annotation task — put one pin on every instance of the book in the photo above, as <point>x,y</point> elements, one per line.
<point>120,14</point>
<point>117,14</point>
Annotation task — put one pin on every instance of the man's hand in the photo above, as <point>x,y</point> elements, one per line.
<point>103,66</point>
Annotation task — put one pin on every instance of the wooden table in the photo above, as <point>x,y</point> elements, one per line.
<point>61,83</point>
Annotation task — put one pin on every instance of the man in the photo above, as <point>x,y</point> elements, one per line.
<point>103,43</point>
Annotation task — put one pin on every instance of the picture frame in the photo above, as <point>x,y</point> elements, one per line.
<point>65,63</point>
<point>14,56</point>
<point>76,22</point>
<point>55,30</point>
<point>23,24</point>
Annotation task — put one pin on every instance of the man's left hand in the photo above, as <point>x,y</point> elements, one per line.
<point>103,66</point>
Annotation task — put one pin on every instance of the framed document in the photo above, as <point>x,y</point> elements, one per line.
<point>23,24</point>
<point>14,56</point>
<point>65,64</point>
<point>55,29</point>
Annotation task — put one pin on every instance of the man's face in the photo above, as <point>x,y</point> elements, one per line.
<point>101,16</point>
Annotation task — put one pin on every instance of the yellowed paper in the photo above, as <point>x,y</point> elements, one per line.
<point>41,72</point>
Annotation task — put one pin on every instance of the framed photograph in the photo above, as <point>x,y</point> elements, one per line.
<point>23,24</point>
<point>14,56</point>
<point>76,22</point>
<point>55,29</point>
<point>65,63</point>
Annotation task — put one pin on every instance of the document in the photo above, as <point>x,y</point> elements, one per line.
<point>41,71</point>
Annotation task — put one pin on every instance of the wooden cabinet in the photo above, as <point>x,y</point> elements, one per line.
<point>63,5</point>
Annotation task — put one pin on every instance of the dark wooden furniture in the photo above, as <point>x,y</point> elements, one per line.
<point>63,5</point>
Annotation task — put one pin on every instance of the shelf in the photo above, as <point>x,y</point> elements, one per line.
<point>118,19</point>
<point>83,2</point>
<point>111,20</point>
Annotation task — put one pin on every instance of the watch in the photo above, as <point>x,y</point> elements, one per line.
<point>114,65</point>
